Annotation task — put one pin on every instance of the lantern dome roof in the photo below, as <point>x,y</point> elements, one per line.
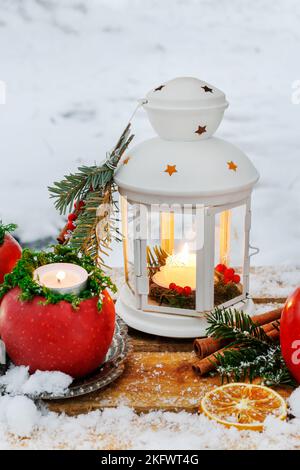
<point>185,108</point>
<point>185,93</point>
<point>211,171</point>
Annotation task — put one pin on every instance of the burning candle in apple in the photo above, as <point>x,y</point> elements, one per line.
<point>179,269</point>
<point>63,278</point>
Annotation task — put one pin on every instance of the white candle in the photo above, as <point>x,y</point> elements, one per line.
<point>64,278</point>
<point>179,269</point>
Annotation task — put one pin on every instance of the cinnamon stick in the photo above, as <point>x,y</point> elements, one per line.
<point>203,347</point>
<point>271,326</point>
<point>267,317</point>
<point>274,334</point>
<point>208,364</point>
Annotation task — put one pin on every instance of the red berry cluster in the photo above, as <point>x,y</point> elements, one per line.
<point>180,290</point>
<point>73,216</point>
<point>229,274</point>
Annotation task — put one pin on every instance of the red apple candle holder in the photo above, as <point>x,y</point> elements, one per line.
<point>10,250</point>
<point>48,330</point>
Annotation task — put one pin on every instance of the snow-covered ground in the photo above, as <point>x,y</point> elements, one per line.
<point>25,427</point>
<point>24,424</point>
<point>74,69</point>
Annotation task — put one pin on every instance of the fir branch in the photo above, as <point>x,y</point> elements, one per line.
<point>250,352</point>
<point>235,326</point>
<point>75,186</point>
<point>95,225</point>
<point>266,363</point>
<point>95,229</point>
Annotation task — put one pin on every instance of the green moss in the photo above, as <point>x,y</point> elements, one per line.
<point>22,277</point>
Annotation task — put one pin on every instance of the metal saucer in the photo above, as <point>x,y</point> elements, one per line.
<point>107,372</point>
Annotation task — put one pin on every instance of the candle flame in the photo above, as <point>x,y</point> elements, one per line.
<point>181,259</point>
<point>184,255</point>
<point>60,276</point>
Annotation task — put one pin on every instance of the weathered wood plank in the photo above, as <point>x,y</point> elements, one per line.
<point>269,300</point>
<point>158,376</point>
<point>150,343</point>
<point>151,381</point>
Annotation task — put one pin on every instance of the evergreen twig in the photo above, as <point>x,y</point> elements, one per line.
<point>95,225</point>
<point>236,326</point>
<point>250,352</point>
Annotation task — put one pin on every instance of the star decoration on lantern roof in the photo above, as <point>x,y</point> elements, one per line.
<point>171,169</point>
<point>159,88</point>
<point>200,130</point>
<point>207,89</point>
<point>126,160</point>
<point>232,166</point>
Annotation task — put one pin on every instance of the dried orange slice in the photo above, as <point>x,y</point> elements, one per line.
<point>244,406</point>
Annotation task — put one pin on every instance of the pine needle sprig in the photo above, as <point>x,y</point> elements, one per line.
<point>96,224</point>
<point>266,363</point>
<point>250,353</point>
<point>76,186</point>
<point>235,326</point>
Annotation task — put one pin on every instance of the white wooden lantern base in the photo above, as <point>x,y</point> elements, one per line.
<point>163,324</point>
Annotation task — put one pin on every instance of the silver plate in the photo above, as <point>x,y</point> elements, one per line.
<point>107,372</point>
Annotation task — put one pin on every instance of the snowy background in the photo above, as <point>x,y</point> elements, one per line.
<point>74,70</point>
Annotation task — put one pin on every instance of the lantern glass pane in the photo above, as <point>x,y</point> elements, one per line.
<point>171,257</point>
<point>128,241</point>
<point>229,252</point>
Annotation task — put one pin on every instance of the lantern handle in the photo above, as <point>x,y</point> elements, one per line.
<point>141,103</point>
<point>255,250</point>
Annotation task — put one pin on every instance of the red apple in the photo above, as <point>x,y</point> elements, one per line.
<point>290,333</point>
<point>10,253</point>
<point>55,336</point>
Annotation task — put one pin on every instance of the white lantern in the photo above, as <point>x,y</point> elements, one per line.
<point>185,198</point>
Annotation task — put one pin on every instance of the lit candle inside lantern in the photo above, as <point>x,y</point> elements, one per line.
<point>179,269</point>
<point>63,278</point>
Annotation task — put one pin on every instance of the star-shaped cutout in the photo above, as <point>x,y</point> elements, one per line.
<point>171,169</point>
<point>159,88</point>
<point>126,160</point>
<point>232,166</point>
<point>200,130</point>
<point>207,89</point>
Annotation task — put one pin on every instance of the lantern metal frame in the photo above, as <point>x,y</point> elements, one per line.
<point>203,177</point>
<point>133,303</point>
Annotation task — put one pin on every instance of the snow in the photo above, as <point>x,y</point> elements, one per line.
<point>14,379</point>
<point>75,69</point>
<point>19,414</point>
<point>26,424</point>
<point>53,382</point>
<point>18,381</point>
<point>274,281</point>
<point>73,74</point>
<point>121,428</point>
<point>294,402</point>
